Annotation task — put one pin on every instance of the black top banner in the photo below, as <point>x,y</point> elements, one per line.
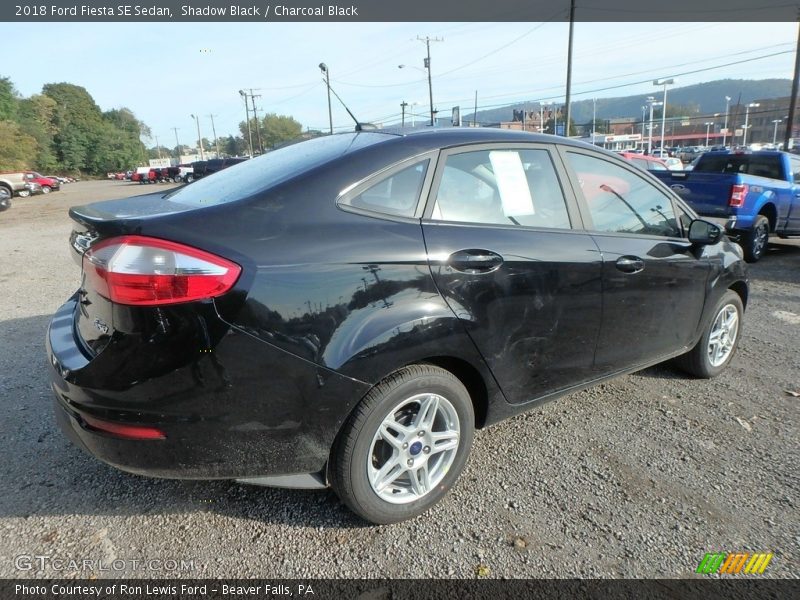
<point>401,11</point>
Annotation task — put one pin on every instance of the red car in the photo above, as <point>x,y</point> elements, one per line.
<point>645,162</point>
<point>48,184</point>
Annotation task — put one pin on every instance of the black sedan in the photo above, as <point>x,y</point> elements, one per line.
<point>346,311</point>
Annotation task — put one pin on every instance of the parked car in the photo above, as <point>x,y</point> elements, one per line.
<point>5,198</point>
<point>660,153</point>
<point>15,183</point>
<point>60,179</point>
<point>48,184</point>
<point>32,188</point>
<point>753,194</point>
<point>644,161</point>
<point>689,153</point>
<point>346,311</point>
<point>203,168</point>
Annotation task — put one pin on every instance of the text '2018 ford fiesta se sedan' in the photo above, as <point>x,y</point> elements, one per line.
<point>346,311</point>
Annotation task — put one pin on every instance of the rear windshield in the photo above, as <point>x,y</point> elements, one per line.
<point>746,164</point>
<point>259,174</point>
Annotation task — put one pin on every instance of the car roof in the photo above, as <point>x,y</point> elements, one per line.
<point>433,138</point>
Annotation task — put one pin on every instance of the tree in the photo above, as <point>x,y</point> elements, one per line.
<point>16,147</point>
<point>233,145</point>
<point>35,116</point>
<point>279,128</point>
<point>8,99</point>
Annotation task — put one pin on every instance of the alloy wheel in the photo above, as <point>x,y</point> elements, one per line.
<point>413,449</point>
<point>722,338</point>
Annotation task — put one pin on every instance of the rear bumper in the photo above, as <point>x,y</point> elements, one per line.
<point>244,410</point>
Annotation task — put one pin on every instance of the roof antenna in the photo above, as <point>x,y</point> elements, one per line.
<point>359,126</point>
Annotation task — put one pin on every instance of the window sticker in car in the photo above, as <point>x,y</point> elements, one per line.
<point>509,173</point>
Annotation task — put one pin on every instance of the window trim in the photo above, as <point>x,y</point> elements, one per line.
<point>637,172</point>
<point>562,178</point>
<point>359,187</point>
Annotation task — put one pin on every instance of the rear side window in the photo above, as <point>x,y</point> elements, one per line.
<point>745,164</point>
<point>396,194</point>
<point>503,187</point>
<point>620,201</point>
<point>259,174</point>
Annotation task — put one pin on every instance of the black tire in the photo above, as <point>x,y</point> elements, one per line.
<point>24,193</point>
<point>355,449</point>
<point>46,189</point>
<point>176,179</point>
<point>754,241</point>
<point>189,178</point>
<point>697,361</point>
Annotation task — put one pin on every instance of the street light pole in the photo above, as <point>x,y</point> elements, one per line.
<point>665,83</point>
<point>644,111</point>
<point>199,137</point>
<point>746,120</point>
<point>594,117</point>
<point>652,102</point>
<point>243,94</point>
<point>727,111</point>
<point>541,117</point>
<point>403,105</point>
<point>775,131</point>
<point>324,68</point>
<point>708,125</point>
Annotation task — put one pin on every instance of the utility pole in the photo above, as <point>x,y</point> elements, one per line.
<point>199,137</point>
<point>427,63</point>
<point>158,147</point>
<point>569,66</point>
<point>475,111</point>
<point>243,94</point>
<point>403,105</point>
<point>255,116</point>
<point>793,102</point>
<point>214,131</point>
<point>177,144</point>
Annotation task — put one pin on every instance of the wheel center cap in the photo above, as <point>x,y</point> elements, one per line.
<point>415,448</point>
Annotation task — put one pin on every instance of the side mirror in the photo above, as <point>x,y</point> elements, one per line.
<point>704,233</point>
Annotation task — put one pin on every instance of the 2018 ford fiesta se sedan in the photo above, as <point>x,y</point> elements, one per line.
<point>346,311</point>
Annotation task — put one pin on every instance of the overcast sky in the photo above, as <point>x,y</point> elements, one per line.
<point>164,72</point>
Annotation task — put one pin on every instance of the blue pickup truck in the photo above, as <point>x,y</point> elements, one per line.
<point>753,194</point>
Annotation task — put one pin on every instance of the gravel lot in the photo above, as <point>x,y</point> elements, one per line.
<point>636,478</point>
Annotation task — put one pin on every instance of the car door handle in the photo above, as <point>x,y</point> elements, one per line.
<point>475,261</point>
<point>630,264</point>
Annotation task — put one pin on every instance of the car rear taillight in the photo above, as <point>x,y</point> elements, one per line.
<point>738,193</point>
<point>144,271</point>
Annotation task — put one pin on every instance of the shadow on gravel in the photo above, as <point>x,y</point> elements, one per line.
<point>781,263</point>
<point>44,474</point>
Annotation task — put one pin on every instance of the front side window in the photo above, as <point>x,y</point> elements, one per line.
<point>502,187</point>
<point>795,162</point>
<point>620,201</point>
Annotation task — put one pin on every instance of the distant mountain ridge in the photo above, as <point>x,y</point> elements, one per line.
<point>703,98</point>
